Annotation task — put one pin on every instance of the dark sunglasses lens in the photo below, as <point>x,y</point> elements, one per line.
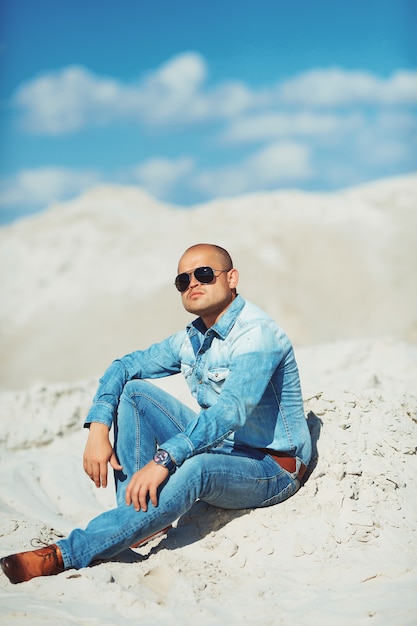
<point>204,275</point>
<point>182,281</point>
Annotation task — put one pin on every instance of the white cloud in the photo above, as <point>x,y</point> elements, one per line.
<point>40,187</point>
<point>73,98</point>
<point>275,164</point>
<point>394,121</point>
<point>177,93</point>
<point>349,125</point>
<point>231,99</point>
<point>66,101</point>
<point>272,125</point>
<point>401,89</point>
<point>376,149</point>
<point>174,90</point>
<point>279,161</point>
<point>159,176</point>
<point>337,87</point>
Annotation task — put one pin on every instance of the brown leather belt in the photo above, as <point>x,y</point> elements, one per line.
<point>286,462</point>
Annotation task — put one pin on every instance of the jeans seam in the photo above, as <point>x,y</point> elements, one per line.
<point>156,404</point>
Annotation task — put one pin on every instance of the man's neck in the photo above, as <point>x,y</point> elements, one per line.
<point>211,320</point>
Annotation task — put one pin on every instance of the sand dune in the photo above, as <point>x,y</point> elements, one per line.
<point>341,551</point>
<point>92,279</point>
<point>86,281</point>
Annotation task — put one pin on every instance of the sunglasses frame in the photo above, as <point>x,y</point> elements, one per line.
<point>201,280</point>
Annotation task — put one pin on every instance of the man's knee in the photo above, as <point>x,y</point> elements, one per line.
<point>138,387</point>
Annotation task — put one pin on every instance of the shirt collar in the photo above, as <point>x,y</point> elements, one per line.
<point>226,321</point>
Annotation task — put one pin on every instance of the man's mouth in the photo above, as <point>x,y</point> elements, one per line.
<point>195,294</point>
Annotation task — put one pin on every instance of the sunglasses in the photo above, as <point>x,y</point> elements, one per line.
<point>204,275</point>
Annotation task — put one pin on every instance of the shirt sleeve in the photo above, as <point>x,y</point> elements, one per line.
<point>256,354</point>
<point>158,361</point>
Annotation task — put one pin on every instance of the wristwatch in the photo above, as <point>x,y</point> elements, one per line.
<point>162,457</point>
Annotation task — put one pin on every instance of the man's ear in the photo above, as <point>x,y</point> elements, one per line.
<point>233,278</point>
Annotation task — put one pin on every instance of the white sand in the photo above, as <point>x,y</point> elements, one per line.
<point>338,271</point>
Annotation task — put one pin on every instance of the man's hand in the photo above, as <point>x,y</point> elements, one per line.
<point>98,452</point>
<point>144,484</point>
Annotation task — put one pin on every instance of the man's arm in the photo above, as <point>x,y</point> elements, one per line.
<point>257,352</point>
<point>157,361</point>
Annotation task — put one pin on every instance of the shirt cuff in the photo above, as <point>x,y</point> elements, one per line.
<point>179,448</point>
<point>100,412</point>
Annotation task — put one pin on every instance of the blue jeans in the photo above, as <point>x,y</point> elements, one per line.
<point>228,477</point>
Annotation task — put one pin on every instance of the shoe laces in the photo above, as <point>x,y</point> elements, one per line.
<point>47,535</point>
<point>36,542</point>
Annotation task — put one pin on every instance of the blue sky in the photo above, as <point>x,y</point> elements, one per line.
<point>192,100</point>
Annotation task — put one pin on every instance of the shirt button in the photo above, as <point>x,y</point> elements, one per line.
<point>199,382</point>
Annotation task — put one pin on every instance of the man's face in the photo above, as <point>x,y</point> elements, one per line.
<point>207,300</point>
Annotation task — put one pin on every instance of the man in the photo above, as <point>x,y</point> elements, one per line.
<point>247,447</point>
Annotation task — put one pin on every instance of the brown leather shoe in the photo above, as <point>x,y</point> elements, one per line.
<point>26,565</point>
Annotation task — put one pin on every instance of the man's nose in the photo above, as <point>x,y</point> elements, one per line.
<point>193,281</point>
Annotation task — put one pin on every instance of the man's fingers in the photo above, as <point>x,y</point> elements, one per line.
<point>133,498</point>
<point>97,472</point>
<point>140,496</point>
<point>143,499</point>
<point>153,495</point>
<point>103,474</point>
<point>96,475</point>
<point>143,486</point>
<point>137,496</point>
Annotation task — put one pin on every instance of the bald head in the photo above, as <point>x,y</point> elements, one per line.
<point>217,252</point>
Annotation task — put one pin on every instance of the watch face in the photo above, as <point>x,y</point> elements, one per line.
<point>161,456</point>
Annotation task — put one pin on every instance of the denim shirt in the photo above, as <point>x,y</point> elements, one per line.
<point>241,371</point>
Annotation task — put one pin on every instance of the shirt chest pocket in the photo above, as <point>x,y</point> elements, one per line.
<point>217,377</point>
